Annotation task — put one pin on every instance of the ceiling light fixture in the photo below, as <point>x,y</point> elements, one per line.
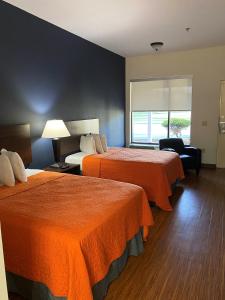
<point>157,46</point>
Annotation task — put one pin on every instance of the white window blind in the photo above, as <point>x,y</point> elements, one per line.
<point>157,95</point>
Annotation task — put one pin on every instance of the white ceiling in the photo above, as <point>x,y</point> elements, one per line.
<point>127,27</point>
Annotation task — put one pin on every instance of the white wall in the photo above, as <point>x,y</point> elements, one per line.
<point>207,66</point>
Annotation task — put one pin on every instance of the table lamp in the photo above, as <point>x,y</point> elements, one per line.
<point>55,129</point>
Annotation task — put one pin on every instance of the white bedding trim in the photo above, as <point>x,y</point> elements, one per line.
<point>31,172</point>
<point>76,158</point>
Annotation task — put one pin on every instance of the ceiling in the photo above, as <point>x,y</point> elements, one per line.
<point>127,27</point>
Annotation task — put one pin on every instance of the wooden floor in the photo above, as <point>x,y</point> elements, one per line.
<point>184,257</point>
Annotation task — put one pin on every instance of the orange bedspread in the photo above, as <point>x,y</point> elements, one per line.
<point>65,230</point>
<point>153,170</point>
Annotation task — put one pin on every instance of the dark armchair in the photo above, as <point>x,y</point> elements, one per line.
<point>190,156</point>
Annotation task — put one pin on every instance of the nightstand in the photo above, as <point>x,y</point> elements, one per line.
<point>71,169</point>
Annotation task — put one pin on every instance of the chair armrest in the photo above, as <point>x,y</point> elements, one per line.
<point>192,150</point>
<point>195,153</point>
<point>168,149</point>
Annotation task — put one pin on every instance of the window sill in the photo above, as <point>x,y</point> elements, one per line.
<point>144,146</point>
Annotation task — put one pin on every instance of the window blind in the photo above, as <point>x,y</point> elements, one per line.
<point>157,95</point>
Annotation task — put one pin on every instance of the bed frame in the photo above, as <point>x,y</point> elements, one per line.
<point>17,138</point>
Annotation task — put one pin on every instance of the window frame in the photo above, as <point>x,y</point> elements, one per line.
<point>168,128</point>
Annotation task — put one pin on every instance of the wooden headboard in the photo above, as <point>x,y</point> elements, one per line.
<point>71,144</point>
<point>66,146</point>
<point>17,138</point>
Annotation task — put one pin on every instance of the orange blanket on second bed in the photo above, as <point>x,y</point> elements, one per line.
<point>153,170</point>
<point>65,230</point>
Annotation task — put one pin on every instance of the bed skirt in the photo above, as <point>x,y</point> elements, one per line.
<point>31,290</point>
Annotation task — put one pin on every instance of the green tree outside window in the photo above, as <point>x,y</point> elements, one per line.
<point>176,125</point>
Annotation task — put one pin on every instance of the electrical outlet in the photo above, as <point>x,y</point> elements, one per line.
<point>204,123</point>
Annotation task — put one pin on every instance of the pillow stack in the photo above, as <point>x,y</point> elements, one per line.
<point>87,144</point>
<point>11,168</point>
<point>93,143</point>
<point>98,143</point>
<point>104,142</point>
<point>6,171</point>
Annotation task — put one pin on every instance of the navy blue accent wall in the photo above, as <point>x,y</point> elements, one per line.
<point>47,73</point>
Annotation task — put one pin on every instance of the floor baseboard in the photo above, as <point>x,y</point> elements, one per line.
<point>209,166</point>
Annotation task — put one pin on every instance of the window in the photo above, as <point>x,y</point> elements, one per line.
<point>161,109</point>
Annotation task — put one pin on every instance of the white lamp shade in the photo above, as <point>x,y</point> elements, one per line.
<point>55,129</point>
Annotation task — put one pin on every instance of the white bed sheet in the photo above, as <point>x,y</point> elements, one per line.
<point>76,158</point>
<point>31,172</point>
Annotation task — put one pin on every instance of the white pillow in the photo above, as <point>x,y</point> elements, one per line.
<point>104,142</point>
<point>87,144</point>
<point>17,165</point>
<point>6,171</point>
<point>98,143</point>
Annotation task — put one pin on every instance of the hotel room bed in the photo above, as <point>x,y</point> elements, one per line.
<point>65,235</point>
<point>153,170</point>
